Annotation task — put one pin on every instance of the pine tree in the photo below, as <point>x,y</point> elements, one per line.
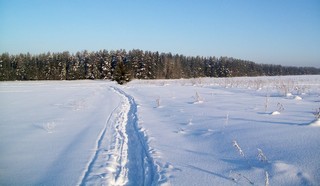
<point>121,73</point>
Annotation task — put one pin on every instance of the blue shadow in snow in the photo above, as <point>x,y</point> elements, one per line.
<point>209,172</point>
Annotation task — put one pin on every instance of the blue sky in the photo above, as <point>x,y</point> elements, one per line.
<point>285,32</point>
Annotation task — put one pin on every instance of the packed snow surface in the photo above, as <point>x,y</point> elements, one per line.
<point>206,131</point>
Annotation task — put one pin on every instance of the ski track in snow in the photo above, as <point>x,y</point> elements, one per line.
<point>122,153</point>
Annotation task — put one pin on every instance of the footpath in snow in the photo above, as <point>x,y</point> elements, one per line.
<point>123,155</point>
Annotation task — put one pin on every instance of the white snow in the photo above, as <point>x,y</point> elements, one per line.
<point>275,113</point>
<point>315,123</point>
<point>48,129</point>
<point>289,94</point>
<point>204,131</point>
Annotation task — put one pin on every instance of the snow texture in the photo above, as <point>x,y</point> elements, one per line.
<point>202,131</point>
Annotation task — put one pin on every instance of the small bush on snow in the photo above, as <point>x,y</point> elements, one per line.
<point>261,156</point>
<point>317,113</point>
<point>280,107</point>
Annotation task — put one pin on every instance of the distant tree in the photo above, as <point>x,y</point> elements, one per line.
<point>121,73</point>
<point>6,69</point>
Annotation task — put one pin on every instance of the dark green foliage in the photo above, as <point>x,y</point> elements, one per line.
<point>121,73</point>
<point>123,66</point>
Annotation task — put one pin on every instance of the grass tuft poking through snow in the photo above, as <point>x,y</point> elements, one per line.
<point>226,121</point>
<point>280,108</point>
<point>238,148</point>
<point>266,104</point>
<point>267,179</point>
<point>261,156</point>
<point>158,102</point>
<point>49,126</point>
<point>198,98</point>
<point>317,113</point>
<point>316,122</point>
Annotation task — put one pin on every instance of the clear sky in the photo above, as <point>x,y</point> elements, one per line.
<point>285,32</point>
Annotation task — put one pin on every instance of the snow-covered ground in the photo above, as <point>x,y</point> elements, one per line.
<point>228,131</point>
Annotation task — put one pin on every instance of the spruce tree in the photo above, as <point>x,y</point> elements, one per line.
<point>121,73</point>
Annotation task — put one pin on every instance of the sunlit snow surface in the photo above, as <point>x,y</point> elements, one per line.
<point>48,129</point>
<point>70,132</point>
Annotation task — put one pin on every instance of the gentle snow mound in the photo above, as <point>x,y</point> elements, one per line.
<point>284,171</point>
<point>315,123</point>
<point>275,113</point>
<point>288,94</point>
<point>298,98</point>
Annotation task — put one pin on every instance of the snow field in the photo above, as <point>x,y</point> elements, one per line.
<point>81,133</point>
<point>193,140</point>
<point>48,129</point>
<point>202,131</point>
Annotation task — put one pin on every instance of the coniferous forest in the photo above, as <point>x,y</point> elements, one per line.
<point>123,66</point>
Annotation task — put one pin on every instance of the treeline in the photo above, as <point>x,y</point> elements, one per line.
<point>122,66</point>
